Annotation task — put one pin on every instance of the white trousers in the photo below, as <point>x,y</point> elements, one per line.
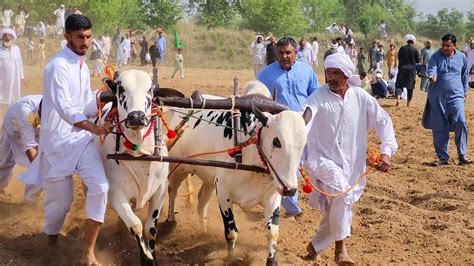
<point>59,194</point>
<point>337,220</point>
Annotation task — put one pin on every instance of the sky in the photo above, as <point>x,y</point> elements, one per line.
<point>433,6</point>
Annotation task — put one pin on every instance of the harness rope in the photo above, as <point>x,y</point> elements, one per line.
<point>374,159</point>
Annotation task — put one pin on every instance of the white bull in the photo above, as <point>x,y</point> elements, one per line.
<point>134,183</point>
<point>282,139</point>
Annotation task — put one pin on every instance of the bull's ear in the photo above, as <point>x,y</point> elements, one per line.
<point>307,115</point>
<point>260,115</point>
<point>112,85</point>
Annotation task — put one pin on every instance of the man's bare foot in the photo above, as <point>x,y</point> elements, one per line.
<point>341,257</point>
<point>312,254</point>
<point>89,259</point>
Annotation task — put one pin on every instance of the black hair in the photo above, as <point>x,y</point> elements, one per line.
<point>77,22</point>
<point>449,37</point>
<point>286,41</point>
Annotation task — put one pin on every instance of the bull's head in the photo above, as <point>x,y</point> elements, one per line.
<point>133,90</point>
<point>282,141</point>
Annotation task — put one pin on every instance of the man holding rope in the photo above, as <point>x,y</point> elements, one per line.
<point>335,156</point>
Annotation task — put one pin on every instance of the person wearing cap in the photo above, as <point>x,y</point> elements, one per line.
<point>19,141</point>
<point>332,49</point>
<point>293,81</point>
<point>66,144</point>
<point>60,15</point>
<point>426,53</point>
<point>336,152</point>
<point>379,87</point>
<point>408,57</point>
<point>11,69</point>
<point>448,72</point>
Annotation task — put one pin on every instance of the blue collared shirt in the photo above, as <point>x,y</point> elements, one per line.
<point>452,74</point>
<point>293,86</point>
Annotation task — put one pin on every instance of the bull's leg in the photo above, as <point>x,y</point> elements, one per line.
<point>175,180</point>
<point>154,209</point>
<point>230,227</point>
<point>204,196</point>
<point>122,207</point>
<point>272,216</point>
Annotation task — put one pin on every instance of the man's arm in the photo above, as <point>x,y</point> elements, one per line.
<point>465,76</point>
<point>381,121</point>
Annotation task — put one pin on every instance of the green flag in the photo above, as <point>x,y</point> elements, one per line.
<point>177,41</point>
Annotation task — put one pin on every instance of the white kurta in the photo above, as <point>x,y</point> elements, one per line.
<point>7,18</point>
<point>335,154</point>
<point>18,130</point>
<point>67,99</point>
<point>11,74</point>
<point>60,12</point>
<point>16,137</point>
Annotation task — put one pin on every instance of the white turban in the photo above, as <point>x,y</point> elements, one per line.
<point>334,45</point>
<point>378,75</point>
<point>343,63</point>
<point>410,37</point>
<point>9,31</point>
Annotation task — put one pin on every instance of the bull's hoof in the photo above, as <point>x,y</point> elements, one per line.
<point>165,229</point>
<point>272,261</point>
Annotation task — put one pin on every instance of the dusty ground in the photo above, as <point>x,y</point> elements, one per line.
<point>416,214</point>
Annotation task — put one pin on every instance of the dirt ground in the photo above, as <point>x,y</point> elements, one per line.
<point>416,214</point>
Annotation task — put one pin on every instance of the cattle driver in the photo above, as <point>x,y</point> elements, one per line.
<point>18,141</point>
<point>294,81</point>
<point>66,144</point>
<point>336,151</point>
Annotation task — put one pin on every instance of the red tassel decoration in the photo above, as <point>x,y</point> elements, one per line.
<point>307,188</point>
<point>171,134</point>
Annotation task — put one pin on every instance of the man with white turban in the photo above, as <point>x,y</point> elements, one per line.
<point>335,157</point>
<point>11,70</point>
<point>408,57</point>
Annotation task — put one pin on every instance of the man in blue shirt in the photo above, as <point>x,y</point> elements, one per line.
<point>160,43</point>
<point>294,81</point>
<point>379,87</point>
<point>448,73</point>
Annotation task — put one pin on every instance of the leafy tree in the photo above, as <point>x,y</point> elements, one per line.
<point>322,13</point>
<point>281,17</point>
<point>213,13</point>
<point>162,13</point>
<point>444,22</point>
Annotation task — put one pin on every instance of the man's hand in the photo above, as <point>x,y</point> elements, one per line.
<point>433,78</point>
<point>385,164</point>
<point>93,128</point>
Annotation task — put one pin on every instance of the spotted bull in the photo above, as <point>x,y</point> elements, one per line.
<point>135,183</point>
<point>281,139</point>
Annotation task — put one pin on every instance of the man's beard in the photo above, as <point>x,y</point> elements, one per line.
<point>8,44</point>
<point>75,49</point>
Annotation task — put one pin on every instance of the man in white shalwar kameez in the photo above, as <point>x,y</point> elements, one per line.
<point>66,144</point>
<point>335,154</point>
<point>19,141</point>
<point>11,70</point>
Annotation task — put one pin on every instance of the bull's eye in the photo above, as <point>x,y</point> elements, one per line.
<point>276,143</point>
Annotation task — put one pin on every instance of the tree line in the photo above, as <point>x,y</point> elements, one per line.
<point>279,17</point>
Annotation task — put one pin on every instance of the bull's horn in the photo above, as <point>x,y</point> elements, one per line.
<point>260,115</point>
<point>107,96</point>
<point>167,92</point>
<point>243,103</point>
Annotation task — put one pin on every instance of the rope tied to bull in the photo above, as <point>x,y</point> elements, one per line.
<point>373,157</point>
